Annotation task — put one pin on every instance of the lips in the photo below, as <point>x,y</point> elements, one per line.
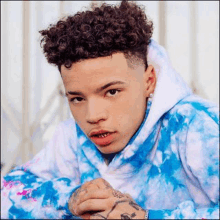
<point>102,137</point>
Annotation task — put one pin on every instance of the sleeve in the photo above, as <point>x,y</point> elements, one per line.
<point>41,188</point>
<point>202,163</point>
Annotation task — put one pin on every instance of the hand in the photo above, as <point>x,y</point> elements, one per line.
<point>84,189</point>
<point>122,209</point>
<point>97,199</point>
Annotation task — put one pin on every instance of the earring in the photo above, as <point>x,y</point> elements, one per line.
<point>151,95</point>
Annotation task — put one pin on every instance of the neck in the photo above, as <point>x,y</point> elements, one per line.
<point>108,157</point>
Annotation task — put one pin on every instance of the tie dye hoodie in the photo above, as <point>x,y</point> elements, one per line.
<point>170,166</point>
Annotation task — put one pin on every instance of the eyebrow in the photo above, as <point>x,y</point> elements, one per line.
<point>97,90</point>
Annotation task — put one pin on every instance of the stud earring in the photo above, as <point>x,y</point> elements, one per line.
<point>151,95</point>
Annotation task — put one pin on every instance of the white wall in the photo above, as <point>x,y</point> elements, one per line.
<point>196,60</point>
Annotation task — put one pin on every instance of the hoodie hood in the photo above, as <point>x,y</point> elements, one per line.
<point>170,89</point>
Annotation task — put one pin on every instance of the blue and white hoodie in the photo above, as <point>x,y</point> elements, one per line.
<point>170,166</point>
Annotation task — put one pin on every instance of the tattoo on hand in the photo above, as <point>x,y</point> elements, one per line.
<point>74,199</point>
<point>108,186</point>
<point>134,205</point>
<point>127,216</point>
<point>114,206</point>
<point>76,193</point>
<point>117,194</point>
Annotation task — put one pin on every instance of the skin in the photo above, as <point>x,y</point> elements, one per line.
<point>117,108</point>
<point>97,199</point>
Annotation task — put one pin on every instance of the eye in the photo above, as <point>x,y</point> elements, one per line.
<point>76,100</point>
<point>112,92</point>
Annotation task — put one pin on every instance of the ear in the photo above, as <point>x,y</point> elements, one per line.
<point>150,80</point>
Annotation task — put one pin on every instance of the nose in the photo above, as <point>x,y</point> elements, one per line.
<point>96,112</point>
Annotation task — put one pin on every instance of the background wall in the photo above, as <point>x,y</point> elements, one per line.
<point>32,103</point>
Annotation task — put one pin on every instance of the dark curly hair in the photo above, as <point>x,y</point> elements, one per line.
<point>99,32</point>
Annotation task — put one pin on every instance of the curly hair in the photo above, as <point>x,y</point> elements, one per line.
<point>98,32</point>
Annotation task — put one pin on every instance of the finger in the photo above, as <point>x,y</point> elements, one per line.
<point>96,205</point>
<point>118,194</point>
<point>81,192</point>
<point>84,190</point>
<point>76,195</point>
<point>95,194</point>
<point>85,216</point>
<point>92,187</point>
<point>120,214</point>
<point>101,183</point>
<point>104,184</point>
<point>99,215</point>
<point>129,196</point>
<point>86,184</point>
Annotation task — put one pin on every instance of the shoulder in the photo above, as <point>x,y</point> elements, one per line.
<point>194,108</point>
<point>198,141</point>
<point>65,134</point>
<point>198,145</point>
<point>68,126</point>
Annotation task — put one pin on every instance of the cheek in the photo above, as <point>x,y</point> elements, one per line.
<point>133,104</point>
<point>139,102</point>
<point>131,113</point>
<point>77,115</point>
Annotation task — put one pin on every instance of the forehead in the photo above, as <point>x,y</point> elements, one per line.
<point>93,72</point>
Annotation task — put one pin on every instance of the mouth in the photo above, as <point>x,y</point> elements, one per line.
<point>102,138</point>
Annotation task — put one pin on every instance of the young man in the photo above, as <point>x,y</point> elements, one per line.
<point>142,146</point>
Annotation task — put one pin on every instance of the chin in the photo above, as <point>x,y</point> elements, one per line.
<point>109,149</point>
